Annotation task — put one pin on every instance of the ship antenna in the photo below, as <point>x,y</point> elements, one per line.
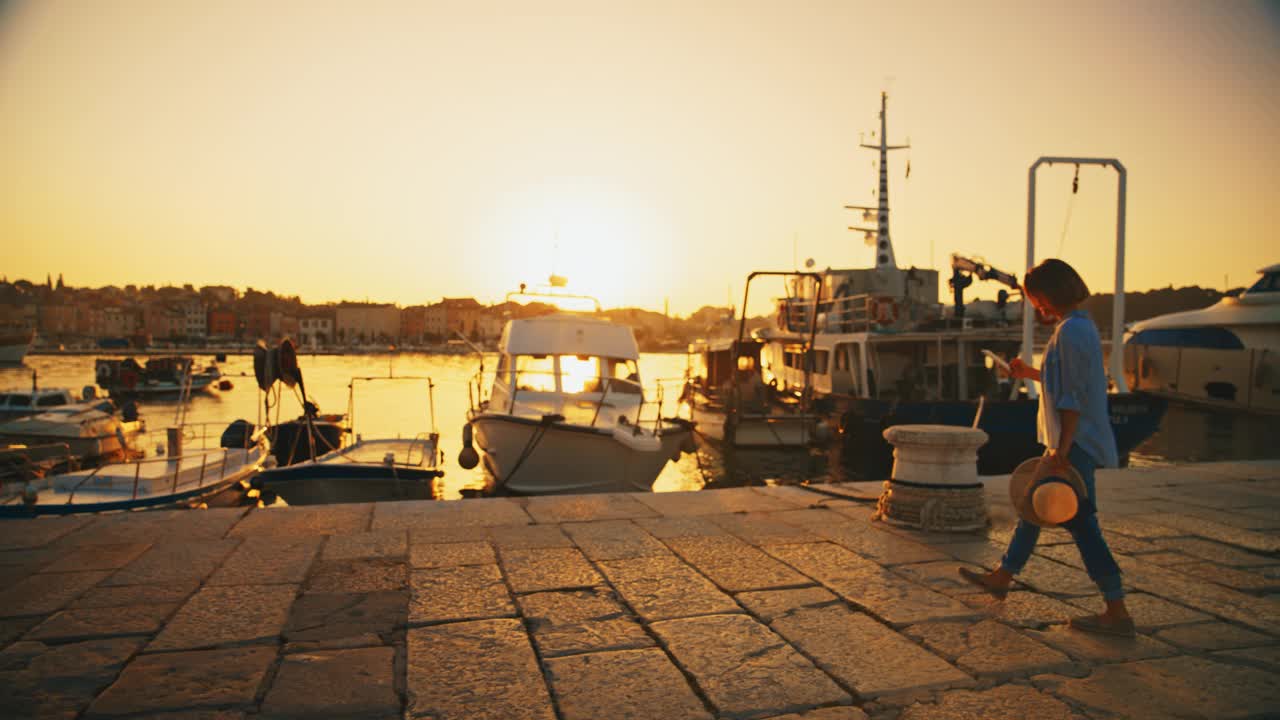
<point>884,245</point>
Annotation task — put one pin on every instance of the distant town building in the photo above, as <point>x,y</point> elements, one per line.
<point>462,315</point>
<point>413,324</point>
<point>435,321</point>
<point>58,319</point>
<point>218,294</point>
<point>283,325</point>
<point>315,329</point>
<point>196,317</point>
<point>162,322</point>
<point>222,324</point>
<point>363,323</point>
<point>257,324</point>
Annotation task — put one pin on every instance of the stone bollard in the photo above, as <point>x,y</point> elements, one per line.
<point>935,483</point>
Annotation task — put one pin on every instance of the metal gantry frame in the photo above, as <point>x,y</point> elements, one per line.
<point>1117,310</point>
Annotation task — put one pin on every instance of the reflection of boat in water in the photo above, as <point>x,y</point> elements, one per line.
<point>177,477</point>
<point>886,353</point>
<point>565,410</point>
<point>323,470</point>
<point>14,345</point>
<point>159,378</point>
<point>730,404</point>
<point>1226,355</point>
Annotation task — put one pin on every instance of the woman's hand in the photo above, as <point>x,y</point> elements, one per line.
<point>1019,370</point>
<point>1055,463</point>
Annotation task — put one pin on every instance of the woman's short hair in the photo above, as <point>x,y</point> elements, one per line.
<point>1057,282</point>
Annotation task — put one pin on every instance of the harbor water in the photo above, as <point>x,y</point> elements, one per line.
<point>401,409</point>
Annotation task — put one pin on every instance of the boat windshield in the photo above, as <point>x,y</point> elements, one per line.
<point>576,374</point>
<point>1269,282</point>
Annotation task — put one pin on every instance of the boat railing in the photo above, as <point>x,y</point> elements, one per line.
<point>844,313</point>
<point>21,458</point>
<point>208,435</point>
<point>254,439</point>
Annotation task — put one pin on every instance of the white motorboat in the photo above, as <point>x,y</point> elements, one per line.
<point>14,346</point>
<point>176,478</point>
<point>1226,355</point>
<point>566,411</point>
<point>91,431</point>
<point>20,403</point>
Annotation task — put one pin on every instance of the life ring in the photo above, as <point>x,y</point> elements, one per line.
<point>884,311</point>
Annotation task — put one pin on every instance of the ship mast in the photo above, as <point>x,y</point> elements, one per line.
<point>879,235</point>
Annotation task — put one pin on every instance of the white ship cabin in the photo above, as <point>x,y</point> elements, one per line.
<point>881,333</point>
<point>580,367</point>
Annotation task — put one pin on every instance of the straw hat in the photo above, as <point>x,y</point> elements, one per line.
<point>1047,501</point>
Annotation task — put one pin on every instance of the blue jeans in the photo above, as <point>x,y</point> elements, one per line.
<point>1085,530</point>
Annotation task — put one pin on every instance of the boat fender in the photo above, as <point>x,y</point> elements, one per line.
<point>634,439</point>
<point>225,385</point>
<point>129,411</point>
<point>129,379</point>
<point>468,458</point>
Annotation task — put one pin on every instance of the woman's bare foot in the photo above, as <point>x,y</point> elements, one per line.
<point>995,582</point>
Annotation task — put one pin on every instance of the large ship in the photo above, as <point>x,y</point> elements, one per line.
<point>886,352</point>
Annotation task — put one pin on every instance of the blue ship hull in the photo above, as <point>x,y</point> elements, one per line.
<point>1010,425</point>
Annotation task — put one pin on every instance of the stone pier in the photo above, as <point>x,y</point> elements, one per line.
<point>762,602</point>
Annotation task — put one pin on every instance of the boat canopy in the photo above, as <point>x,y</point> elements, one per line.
<point>569,335</point>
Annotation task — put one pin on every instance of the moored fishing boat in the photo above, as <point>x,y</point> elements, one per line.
<point>177,477</point>
<point>159,378</point>
<point>14,345</point>
<point>565,410</point>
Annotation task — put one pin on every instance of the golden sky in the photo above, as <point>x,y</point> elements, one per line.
<point>404,151</point>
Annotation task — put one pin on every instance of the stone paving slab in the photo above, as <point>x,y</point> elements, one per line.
<point>175,562</point>
<point>156,527</point>
<point>614,540</point>
<point>1264,580</point>
<point>725,500</point>
<point>526,537</point>
<point>359,546</point>
<point>481,670</point>
<point>664,587</point>
<point>1265,658</point>
<point>356,683</point>
<point>327,620</point>
<point>989,649</point>
<point>1150,612</point>
<point>1258,613</point>
<point>442,555</point>
<point>358,576</point>
<point>942,576</point>
<point>679,526</point>
<point>46,593</point>
<point>888,596</point>
<point>255,563</point>
<point>568,622</point>
<point>1214,552</point>
<point>734,565</point>
<point>208,678</point>
<point>1172,687</point>
<point>1213,636</point>
<point>1022,609</point>
<point>308,520</point>
<point>37,532</point>
<point>39,680</point>
<point>481,512</point>
<point>864,655</point>
<point>581,508</point>
<point>228,615</point>
<point>547,569</point>
<point>769,605</point>
<point>458,593</point>
<point>104,557</point>
<point>763,529</point>
<point>90,623</point>
<point>127,595</point>
<point>622,685</point>
<point>841,712</point>
<point>745,670</point>
<point>1006,702</point>
<point>1094,648</point>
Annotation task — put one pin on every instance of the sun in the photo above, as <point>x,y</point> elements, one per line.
<point>600,237</point>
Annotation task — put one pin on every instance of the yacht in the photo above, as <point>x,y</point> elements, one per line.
<point>566,411</point>
<point>92,432</point>
<point>14,345</point>
<point>1226,355</point>
<point>21,403</point>
<point>886,352</point>
<point>158,378</point>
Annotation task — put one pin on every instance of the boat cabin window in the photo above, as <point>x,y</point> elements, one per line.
<point>49,400</point>
<point>19,400</point>
<point>624,370</point>
<point>821,358</point>
<point>536,373</point>
<point>1270,282</point>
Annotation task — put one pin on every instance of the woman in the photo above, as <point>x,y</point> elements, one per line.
<point>1074,425</point>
